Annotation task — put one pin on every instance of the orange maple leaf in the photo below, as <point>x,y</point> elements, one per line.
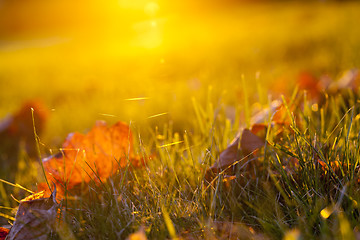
<point>3,233</point>
<point>94,156</point>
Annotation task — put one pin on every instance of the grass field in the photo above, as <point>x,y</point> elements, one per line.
<point>194,75</point>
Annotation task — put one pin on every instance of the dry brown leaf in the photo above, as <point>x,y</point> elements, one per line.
<point>93,156</point>
<point>35,219</point>
<point>227,157</point>
<point>249,144</point>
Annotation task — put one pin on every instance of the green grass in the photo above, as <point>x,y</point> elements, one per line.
<point>207,96</point>
<point>171,194</point>
<point>272,202</point>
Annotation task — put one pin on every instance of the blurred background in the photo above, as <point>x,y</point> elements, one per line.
<point>132,59</point>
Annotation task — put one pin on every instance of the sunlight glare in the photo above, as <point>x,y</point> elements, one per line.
<point>170,144</point>
<point>137,99</point>
<point>158,115</point>
<point>134,4</point>
<point>148,34</point>
<point>151,8</point>
<point>153,23</point>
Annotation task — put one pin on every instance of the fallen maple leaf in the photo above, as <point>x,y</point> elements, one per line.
<point>307,81</point>
<point>35,219</point>
<point>249,144</point>
<point>93,156</point>
<point>228,156</point>
<point>3,233</point>
<point>17,132</point>
<point>316,87</point>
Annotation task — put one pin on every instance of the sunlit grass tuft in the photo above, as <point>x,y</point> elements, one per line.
<point>169,197</point>
<point>185,125</point>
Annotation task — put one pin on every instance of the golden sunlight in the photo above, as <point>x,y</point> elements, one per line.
<point>164,48</point>
<point>183,119</point>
